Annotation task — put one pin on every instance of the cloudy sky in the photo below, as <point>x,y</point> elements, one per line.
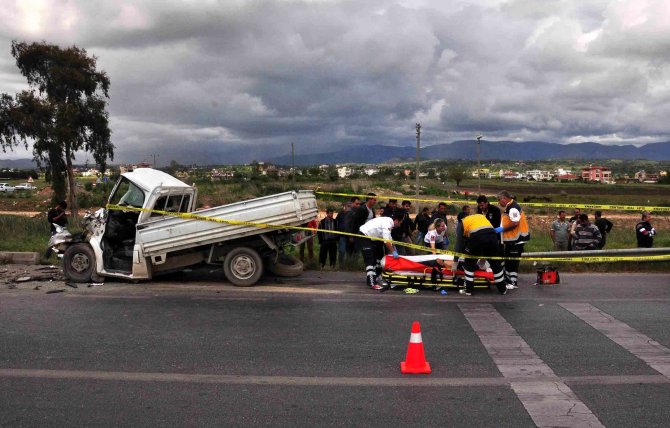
<point>235,80</point>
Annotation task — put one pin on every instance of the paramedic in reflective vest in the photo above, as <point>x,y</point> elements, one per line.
<point>481,241</point>
<point>515,233</point>
<point>373,249</point>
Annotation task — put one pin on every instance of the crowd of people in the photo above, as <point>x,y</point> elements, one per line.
<point>487,233</point>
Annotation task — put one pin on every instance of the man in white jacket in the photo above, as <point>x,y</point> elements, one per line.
<point>373,249</point>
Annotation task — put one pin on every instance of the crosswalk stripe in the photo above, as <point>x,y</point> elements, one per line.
<point>549,403</point>
<point>642,346</point>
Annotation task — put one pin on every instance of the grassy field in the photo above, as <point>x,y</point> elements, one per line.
<point>32,234</point>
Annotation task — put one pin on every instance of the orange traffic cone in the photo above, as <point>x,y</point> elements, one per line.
<point>416,359</point>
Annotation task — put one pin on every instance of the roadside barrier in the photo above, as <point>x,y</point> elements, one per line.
<point>608,207</point>
<point>584,259</point>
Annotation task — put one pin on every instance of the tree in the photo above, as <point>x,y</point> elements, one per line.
<point>456,173</point>
<point>62,112</point>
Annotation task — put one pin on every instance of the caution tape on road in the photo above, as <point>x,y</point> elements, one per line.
<point>608,207</point>
<point>582,259</point>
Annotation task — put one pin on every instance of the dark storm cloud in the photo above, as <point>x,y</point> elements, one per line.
<point>204,78</point>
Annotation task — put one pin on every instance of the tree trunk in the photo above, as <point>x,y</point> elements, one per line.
<point>72,188</point>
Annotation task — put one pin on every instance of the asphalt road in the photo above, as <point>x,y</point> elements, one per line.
<point>322,350</point>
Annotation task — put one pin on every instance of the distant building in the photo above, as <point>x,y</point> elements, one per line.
<point>91,172</point>
<point>510,175</point>
<point>645,177</point>
<point>371,171</point>
<point>344,171</point>
<point>565,177</point>
<point>599,174</point>
<point>538,175</point>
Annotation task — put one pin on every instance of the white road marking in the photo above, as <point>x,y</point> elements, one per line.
<point>642,346</point>
<point>547,399</point>
<point>320,381</point>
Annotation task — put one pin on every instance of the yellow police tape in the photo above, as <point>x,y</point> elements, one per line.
<point>529,204</point>
<point>192,216</point>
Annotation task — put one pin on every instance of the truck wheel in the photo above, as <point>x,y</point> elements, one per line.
<point>243,266</point>
<point>286,265</point>
<point>79,263</point>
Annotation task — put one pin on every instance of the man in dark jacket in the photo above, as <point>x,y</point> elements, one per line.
<point>346,243</point>
<point>491,212</point>
<point>422,222</point>
<point>645,231</point>
<point>57,215</point>
<point>327,239</point>
<point>363,214</point>
<point>604,226</point>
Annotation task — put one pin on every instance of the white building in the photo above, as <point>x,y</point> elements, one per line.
<point>371,171</point>
<point>539,175</point>
<point>344,171</point>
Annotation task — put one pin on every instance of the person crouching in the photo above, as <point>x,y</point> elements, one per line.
<point>373,249</point>
<point>481,242</point>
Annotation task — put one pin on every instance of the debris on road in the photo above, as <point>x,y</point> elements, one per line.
<point>14,274</point>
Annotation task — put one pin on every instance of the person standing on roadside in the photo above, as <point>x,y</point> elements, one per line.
<point>407,229</point>
<point>645,231</point>
<point>422,222</point>
<point>515,233</point>
<point>57,216</point>
<point>309,243</point>
<point>604,226</point>
<point>573,224</point>
<point>346,243</point>
<point>491,212</point>
<point>560,232</point>
<point>327,239</point>
<point>587,236</point>
<point>363,214</point>
<point>465,211</point>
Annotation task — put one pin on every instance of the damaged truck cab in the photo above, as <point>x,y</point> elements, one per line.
<point>149,228</point>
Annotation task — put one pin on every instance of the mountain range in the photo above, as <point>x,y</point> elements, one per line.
<point>457,150</point>
<point>489,150</point>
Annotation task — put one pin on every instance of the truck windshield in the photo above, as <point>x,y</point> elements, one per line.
<point>127,194</point>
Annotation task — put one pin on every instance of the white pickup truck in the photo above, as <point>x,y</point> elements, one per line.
<point>135,242</point>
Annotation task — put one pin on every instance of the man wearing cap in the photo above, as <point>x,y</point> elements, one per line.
<point>373,249</point>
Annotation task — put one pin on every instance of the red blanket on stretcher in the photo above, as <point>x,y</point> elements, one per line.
<point>406,266</point>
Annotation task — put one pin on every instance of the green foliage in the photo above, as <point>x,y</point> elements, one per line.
<point>27,234</point>
<point>456,173</point>
<point>62,112</point>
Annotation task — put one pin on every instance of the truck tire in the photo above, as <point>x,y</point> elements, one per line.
<point>243,266</point>
<point>286,265</point>
<point>79,263</point>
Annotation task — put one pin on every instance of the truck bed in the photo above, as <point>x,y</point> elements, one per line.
<point>169,234</point>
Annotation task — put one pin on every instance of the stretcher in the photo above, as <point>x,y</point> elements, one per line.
<point>431,271</point>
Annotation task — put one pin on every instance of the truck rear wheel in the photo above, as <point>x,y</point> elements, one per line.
<point>286,265</point>
<point>79,263</point>
<point>243,266</point>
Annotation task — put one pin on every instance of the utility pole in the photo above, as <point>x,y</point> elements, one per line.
<point>154,166</point>
<point>416,175</point>
<point>479,167</point>
<point>293,166</point>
